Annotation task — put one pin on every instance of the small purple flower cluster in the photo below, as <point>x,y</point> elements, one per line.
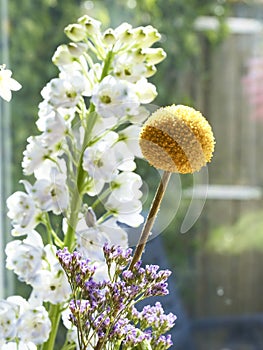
<point>77,269</point>
<point>104,312</point>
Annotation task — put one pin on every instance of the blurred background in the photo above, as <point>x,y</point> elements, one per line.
<point>215,64</point>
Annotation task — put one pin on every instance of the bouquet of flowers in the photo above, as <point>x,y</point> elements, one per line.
<point>70,244</point>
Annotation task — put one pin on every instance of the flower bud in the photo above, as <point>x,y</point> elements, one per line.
<point>150,71</point>
<point>76,32</point>
<point>126,37</point>
<point>139,34</point>
<point>122,29</point>
<point>90,217</point>
<point>92,25</point>
<point>62,56</point>
<point>138,56</point>
<point>145,91</point>
<point>152,35</point>
<point>154,55</point>
<point>108,37</point>
<point>77,49</point>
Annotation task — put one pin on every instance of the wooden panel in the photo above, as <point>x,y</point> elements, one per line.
<point>229,284</point>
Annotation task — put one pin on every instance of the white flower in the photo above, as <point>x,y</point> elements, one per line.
<point>95,187</point>
<point>34,154</point>
<point>7,84</point>
<point>120,37</point>
<point>115,98</point>
<point>104,159</point>
<point>51,196</point>
<point>103,124</point>
<point>19,320</point>
<point>124,158</point>
<point>130,136</point>
<point>145,36</point>
<point>125,212</point>
<point>142,114</point>
<point>90,240</point>
<point>72,333</point>
<point>45,170</point>
<point>76,32</point>
<point>64,91</point>
<point>154,55</point>
<point>91,25</point>
<point>34,325</point>
<point>21,210</point>
<point>125,186</point>
<point>11,310</point>
<point>20,346</point>
<point>25,257</point>
<point>145,91</point>
<point>53,127</point>
<point>90,77</point>
<point>108,38</point>
<point>67,54</point>
<point>9,313</point>
<point>22,303</point>
<point>116,235</point>
<point>126,67</point>
<point>45,109</point>
<point>50,284</point>
<point>99,159</point>
<point>51,193</point>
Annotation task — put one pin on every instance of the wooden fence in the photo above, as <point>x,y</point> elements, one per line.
<point>229,92</point>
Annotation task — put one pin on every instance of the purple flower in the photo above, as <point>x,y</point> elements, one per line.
<point>165,341</point>
<point>107,308</point>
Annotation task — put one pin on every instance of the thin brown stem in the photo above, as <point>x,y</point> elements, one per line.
<point>150,218</point>
<point>99,345</point>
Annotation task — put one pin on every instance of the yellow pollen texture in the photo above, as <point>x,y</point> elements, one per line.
<point>178,139</point>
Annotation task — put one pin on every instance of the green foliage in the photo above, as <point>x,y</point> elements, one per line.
<point>175,21</point>
<point>245,235</point>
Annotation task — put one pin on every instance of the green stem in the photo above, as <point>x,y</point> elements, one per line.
<point>150,218</point>
<point>101,197</point>
<point>51,232</point>
<point>54,315</point>
<point>69,239</point>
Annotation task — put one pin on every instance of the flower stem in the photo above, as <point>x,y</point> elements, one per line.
<point>99,345</point>
<point>69,239</point>
<point>150,218</point>
<point>54,315</point>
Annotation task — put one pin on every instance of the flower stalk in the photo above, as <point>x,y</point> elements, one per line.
<point>152,215</point>
<point>77,197</point>
<point>54,315</point>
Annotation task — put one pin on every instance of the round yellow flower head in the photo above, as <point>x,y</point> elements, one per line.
<point>178,139</point>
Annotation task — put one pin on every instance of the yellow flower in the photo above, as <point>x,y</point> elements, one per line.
<point>177,139</point>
